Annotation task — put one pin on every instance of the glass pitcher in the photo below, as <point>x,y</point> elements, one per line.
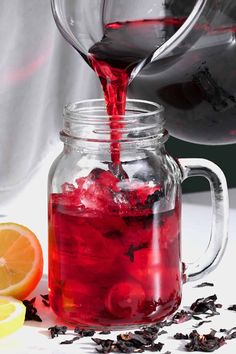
<point>183,51</point>
<point>115,239</point>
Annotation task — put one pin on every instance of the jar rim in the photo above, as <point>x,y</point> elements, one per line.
<point>88,120</point>
<point>75,109</point>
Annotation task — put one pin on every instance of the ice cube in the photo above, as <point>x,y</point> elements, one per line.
<point>67,188</point>
<point>101,190</point>
<point>98,190</point>
<point>69,196</point>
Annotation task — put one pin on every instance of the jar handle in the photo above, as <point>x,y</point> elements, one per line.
<point>220,205</point>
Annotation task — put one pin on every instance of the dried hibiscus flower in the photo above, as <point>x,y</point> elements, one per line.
<point>206,305</point>
<point>45,300</point>
<point>232,308</point>
<point>200,323</point>
<point>137,342</point>
<point>204,284</point>
<point>31,311</point>
<point>204,342</point>
<point>56,330</point>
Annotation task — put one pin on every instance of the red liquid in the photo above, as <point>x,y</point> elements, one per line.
<point>124,45</point>
<point>112,263</point>
<point>197,87</point>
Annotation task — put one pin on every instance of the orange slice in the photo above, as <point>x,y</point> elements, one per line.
<point>21,260</point>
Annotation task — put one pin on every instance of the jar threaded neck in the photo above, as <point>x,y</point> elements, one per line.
<point>88,120</point>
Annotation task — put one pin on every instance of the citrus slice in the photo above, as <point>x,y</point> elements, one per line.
<point>21,260</point>
<point>12,315</point>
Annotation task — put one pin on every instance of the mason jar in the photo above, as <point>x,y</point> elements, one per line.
<point>115,218</point>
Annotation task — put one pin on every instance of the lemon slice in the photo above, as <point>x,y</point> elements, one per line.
<point>12,315</point>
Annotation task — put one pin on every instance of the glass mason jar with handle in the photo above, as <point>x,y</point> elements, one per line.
<point>115,228</point>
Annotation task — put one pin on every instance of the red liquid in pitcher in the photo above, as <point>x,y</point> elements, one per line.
<point>196,85</point>
<point>115,260</point>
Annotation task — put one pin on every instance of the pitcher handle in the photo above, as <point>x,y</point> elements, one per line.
<point>220,205</point>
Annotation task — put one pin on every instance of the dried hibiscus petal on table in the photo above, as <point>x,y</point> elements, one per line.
<point>105,332</point>
<point>201,323</point>
<point>204,284</point>
<point>31,311</point>
<point>206,305</point>
<point>137,342</point>
<point>45,300</point>
<point>204,342</point>
<point>56,330</point>
<point>84,332</point>
<point>232,308</point>
<point>230,333</point>
<point>181,336</point>
<point>70,341</point>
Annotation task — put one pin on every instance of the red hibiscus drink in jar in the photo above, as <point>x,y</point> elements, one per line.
<point>115,257</point>
<point>115,215</point>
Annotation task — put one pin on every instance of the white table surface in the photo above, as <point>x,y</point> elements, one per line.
<point>30,208</point>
